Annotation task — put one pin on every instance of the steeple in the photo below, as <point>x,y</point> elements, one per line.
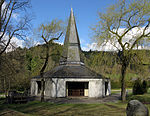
<point>71,51</point>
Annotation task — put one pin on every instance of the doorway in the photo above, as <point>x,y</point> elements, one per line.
<point>106,88</point>
<point>77,88</point>
<point>38,87</point>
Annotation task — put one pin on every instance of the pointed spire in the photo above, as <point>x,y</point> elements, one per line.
<point>71,51</point>
<point>71,10</point>
<point>71,13</point>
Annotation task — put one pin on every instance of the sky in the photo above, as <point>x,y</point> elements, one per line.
<point>85,11</point>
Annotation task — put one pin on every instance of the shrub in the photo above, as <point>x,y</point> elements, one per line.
<point>115,85</point>
<point>144,86</point>
<point>139,88</point>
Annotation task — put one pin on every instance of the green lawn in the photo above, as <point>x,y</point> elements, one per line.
<point>145,98</point>
<point>37,108</point>
<point>114,91</point>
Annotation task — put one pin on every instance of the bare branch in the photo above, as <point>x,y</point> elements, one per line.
<point>146,28</point>
<point>57,37</point>
<point>5,27</point>
<point>10,37</point>
<point>143,35</point>
<point>128,21</point>
<point>5,12</point>
<point>129,29</point>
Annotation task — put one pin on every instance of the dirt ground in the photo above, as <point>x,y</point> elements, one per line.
<point>84,100</point>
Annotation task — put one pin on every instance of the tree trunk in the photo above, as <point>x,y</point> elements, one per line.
<point>42,90</point>
<point>5,88</point>
<point>42,78</point>
<point>9,85</point>
<point>42,72</point>
<point>123,83</point>
<point>45,64</point>
<point>0,18</point>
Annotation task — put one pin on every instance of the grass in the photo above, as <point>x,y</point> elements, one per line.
<point>2,95</point>
<point>116,76</point>
<point>148,91</point>
<point>114,91</point>
<point>37,108</point>
<point>145,98</point>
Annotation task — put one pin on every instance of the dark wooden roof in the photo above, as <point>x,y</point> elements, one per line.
<point>64,71</point>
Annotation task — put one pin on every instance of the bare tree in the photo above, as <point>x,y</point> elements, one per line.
<point>14,21</point>
<point>124,25</point>
<point>48,32</point>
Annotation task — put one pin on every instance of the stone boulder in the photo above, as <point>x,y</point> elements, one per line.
<point>136,108</point>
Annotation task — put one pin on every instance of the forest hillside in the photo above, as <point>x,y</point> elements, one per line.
<point>19,66</point>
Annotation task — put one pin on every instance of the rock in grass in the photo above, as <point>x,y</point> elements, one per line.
<point>136,108</point>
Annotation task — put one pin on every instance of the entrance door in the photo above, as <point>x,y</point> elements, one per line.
<point>106,87</point>
<point>76,88</point>
<point>39,86</point>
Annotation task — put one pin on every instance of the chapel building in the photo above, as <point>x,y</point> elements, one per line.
<point>71,77</point>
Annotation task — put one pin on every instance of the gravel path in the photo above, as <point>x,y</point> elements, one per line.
<point>80,100</point>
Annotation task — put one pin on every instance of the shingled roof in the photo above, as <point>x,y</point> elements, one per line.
<point>64,71</point>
